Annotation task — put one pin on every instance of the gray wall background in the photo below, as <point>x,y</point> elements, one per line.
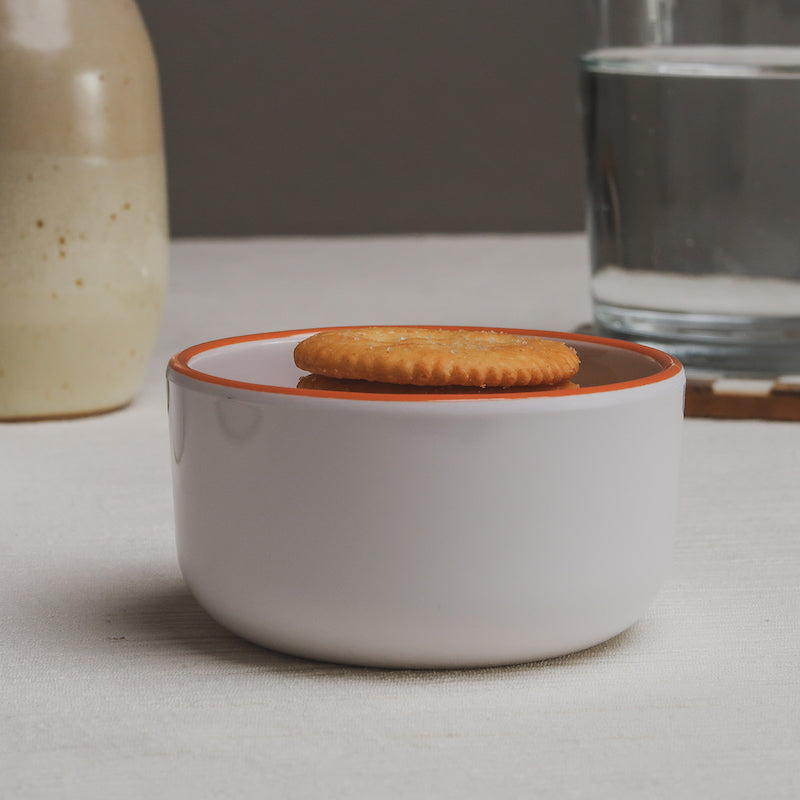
<point>292,117</point>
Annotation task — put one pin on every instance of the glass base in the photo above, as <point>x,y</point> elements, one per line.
<point>717,343</point>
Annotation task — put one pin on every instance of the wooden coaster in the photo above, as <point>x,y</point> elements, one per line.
<point>739,398</point>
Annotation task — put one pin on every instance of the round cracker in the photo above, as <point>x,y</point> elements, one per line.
<point>437,357</point>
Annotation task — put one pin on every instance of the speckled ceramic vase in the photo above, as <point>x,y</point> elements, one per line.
<point>83,212</point>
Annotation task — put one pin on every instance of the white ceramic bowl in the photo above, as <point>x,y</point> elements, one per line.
<point>423,530</point>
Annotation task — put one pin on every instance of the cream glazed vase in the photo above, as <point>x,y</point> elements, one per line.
<point>83,212</point>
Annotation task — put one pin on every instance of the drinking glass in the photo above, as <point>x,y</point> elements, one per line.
<point>691,116</point>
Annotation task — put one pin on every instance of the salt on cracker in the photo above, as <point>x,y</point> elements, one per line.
<point>437,357</point>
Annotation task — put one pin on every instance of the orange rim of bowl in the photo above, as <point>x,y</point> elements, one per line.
<point>180,363</point>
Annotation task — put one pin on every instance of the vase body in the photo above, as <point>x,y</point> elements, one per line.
<point>83,209</point>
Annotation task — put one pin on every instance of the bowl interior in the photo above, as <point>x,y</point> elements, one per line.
<point>266,361</point>
<point>262,361</point>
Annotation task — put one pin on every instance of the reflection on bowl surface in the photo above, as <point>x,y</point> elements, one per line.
<point>323,383</point>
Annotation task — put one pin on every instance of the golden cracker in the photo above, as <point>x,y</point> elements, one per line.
<point>437,357</point>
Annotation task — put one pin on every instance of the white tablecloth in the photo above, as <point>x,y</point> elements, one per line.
<point>115,684</point>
